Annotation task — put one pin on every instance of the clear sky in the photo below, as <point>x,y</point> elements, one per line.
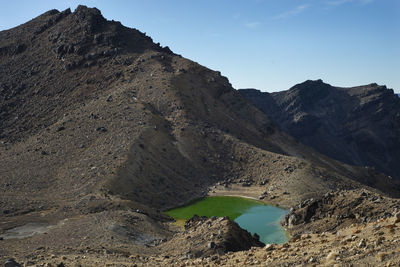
<point>266,44</point>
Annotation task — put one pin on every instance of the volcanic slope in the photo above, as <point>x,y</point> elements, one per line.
<point>102,129</point>
<point>357,125</point>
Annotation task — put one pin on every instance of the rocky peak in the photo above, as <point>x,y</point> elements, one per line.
<point>310,84</point>
<point>86,37</point>
<point>309,92</point>
<point>84,12</point>
<point>34,54</point>
<point>90,18</point>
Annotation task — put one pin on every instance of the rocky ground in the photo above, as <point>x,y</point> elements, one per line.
<point>339,209</point>
<point>375,241</point>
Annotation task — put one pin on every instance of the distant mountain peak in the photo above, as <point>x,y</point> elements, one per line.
<point>357,125</point>
<point>311,84</point>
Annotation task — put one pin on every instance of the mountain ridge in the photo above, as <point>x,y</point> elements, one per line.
<point>339,122</point>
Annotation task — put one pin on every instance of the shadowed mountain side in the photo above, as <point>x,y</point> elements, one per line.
<point>357,125</point>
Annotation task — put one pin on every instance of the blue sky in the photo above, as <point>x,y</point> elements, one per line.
<point>266,44</point>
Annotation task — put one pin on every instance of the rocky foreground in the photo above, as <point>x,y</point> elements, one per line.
<point>375,243</point>
<point>322,234</point>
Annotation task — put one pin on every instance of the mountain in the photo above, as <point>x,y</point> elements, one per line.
<point>358,125</point>
<point>102,130</point>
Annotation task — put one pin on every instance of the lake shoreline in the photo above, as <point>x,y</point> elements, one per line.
<point>249,213</point>
<point>252,192</point>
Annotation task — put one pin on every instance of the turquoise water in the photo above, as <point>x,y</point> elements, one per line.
<point>252,215</point>
<point>264,220</point>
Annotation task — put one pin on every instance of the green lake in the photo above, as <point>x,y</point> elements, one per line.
<point>252,215</point>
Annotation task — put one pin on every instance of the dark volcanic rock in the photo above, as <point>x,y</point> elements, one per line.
<point>215,236</point>
<point>11,263</point>
<point>357,125</point>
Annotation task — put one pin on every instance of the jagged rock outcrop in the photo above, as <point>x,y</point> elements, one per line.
<point>337,210</point>
<point>357,125</point>
<point>204,237</point>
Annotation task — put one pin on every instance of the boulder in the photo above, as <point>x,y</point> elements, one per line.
<point>11,263</point>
